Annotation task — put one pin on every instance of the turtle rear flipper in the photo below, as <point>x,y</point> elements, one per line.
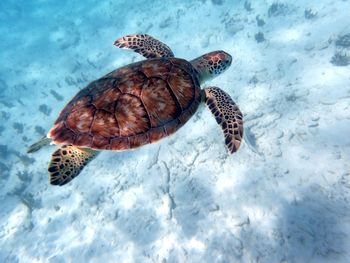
<point>67,162</point>
<point>145,45</point>
<point>227,114</point>
<point>38,145</point>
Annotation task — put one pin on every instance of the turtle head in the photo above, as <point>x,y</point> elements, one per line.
<point>211,64</point>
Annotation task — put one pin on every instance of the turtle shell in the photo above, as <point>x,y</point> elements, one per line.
<point>131,106</point>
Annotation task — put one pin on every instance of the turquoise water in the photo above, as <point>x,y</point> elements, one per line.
<point>282,197</point>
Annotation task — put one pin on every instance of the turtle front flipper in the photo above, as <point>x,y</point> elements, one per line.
<point>145,45</point>
<point>227,114</point>
<point>67,162</point>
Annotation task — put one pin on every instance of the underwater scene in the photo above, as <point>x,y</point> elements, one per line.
<point>175,131</point>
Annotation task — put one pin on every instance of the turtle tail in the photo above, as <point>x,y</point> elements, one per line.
<point>38,145</point>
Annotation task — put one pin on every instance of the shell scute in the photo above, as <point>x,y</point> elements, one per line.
<point>106,100</point>
<point>172,126</point>
<point>131,115</point>
<point>120,143</point>
<point>133,85</point>
<point>105,124</point>
<point>100,142</point>
<point>139,140</point>
<point>97,88</point>
<point>83,140</point>
<point>81,119</point>
<point>182,86</point>
<point>155,134</point>
<point>159,68</point>
<point>160,105</point>
<point>62,134</point>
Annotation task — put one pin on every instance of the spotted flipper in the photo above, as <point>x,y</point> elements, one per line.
<point>67,162</point>
<point>227,114</point>
<point>38,145</point>
<point>145,45</point>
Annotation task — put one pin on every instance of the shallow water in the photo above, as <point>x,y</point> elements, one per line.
<point>283,197</point>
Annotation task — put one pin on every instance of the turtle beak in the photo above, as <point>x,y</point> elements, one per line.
<point>221,61</point>
<point>227,61</point>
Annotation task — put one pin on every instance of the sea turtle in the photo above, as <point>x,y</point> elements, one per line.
<point>139,104</point>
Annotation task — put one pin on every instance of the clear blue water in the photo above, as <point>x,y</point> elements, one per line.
<point>283,197</point>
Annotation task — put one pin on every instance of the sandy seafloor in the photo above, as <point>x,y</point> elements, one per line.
<point>283,197</point>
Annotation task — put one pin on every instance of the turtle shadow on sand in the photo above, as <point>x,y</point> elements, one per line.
<point>314,227</point>
<point>193,203</point>
<point>139,224</point>
<point>309,229</point>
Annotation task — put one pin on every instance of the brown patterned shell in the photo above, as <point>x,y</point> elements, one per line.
<point>131,106</point>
